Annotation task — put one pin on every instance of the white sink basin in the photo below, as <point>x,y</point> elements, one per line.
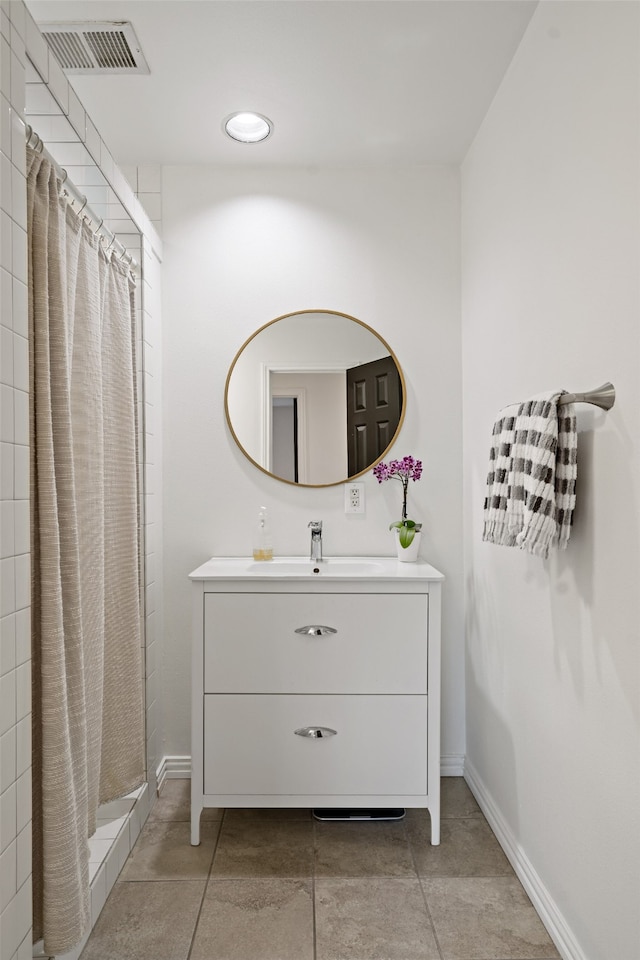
<point>301,567</point>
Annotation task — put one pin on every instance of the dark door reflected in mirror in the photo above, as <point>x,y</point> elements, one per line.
<point>314,398</point>
<point>374,403</point>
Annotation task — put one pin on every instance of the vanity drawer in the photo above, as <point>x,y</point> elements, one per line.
<point>251,644</point>
<point>380,747</point>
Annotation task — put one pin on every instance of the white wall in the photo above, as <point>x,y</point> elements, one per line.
<point>550,299</point>
<point>245,246</point>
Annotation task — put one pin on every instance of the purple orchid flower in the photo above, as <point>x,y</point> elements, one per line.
<point>403,470</point>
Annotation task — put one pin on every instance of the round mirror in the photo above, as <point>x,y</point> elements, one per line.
<point>314,398</point>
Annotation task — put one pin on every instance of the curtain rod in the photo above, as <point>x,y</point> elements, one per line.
<point>74,197</point>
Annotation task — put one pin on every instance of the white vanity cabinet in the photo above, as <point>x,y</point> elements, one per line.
<point>316,689</point>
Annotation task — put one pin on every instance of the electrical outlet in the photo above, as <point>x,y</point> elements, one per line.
<point>354,498</point>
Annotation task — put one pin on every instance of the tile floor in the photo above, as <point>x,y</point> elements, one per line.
<point>279,885</point>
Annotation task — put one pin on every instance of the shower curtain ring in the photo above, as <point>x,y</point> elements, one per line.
<point>98,229</point>
<point>84,203</point>
<point>38,144</point>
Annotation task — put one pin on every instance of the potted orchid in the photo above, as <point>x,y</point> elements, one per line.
<point>408,530</point>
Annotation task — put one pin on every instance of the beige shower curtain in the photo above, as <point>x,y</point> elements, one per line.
<point>88,727</point>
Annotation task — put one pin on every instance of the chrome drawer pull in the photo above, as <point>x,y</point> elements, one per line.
<point>316,630</point>
<point>315,733</point>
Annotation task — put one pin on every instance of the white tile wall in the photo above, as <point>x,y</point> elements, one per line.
<point>153,487</point>
<point>146,182</point>
<point>15,668</point>
<point>57,110</point>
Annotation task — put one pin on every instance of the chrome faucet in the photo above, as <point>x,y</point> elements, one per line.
<point>316,541</point>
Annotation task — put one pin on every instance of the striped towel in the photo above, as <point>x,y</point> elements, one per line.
<point>531,485</point>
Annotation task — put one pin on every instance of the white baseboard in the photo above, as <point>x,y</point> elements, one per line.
<point>542,900</point>
<point>173,768</point>
<point>452,765</point>
<point>178,768</point>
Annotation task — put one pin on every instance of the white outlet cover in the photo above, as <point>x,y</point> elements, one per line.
<point>354,498</point>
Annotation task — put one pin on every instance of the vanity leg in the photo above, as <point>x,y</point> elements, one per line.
<point>434,813</point>
<point>196,810</point>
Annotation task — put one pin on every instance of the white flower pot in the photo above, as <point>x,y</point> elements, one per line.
<point>407,554</point>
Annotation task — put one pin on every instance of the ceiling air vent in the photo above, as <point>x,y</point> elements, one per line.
<point>94,48</point>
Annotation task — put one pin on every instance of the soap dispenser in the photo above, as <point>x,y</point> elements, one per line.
<point>262,546</point>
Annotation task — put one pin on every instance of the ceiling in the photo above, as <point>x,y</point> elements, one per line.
<point>345,82</point>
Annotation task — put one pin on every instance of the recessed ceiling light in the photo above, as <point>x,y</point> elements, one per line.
<point>247,127</point>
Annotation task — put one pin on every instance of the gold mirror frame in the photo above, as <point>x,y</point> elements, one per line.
<point>298,313</point>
